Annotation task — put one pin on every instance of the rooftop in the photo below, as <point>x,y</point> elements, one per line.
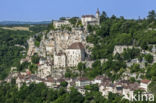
<point>145,81</point>
<point>77,45</point>
<point>86,16</point>
<point>83,79</point>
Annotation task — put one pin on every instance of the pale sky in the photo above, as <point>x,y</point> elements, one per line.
<point>45,10</point>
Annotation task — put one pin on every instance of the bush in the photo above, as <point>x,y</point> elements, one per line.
<point>149,58</point>
<point>35,59</point>
<point>64,84</point>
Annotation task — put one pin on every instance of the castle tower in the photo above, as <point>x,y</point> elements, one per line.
<point>98,15</point>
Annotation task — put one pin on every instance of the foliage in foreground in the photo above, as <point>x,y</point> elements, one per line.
<point>39,93</point>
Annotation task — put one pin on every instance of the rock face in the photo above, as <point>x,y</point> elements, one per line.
<point>58,50</point>
<point>62,39</point>
<point>120,49</point>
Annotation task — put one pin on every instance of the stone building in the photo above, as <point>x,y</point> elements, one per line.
<point>59,60</point>
<point>91,19</point>
<point>144,84</point>
<point>59,23</point>
<point>71,56</point>
<point>75,54</point>
<point>120,49</point>
<point>80,82</point>
<point>44,70</point>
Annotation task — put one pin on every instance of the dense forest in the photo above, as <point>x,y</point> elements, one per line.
<point>13,46</point>
<point>10,54</point>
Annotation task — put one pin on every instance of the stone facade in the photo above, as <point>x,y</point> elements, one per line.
<point>71,56</point>
<point>91,19</point>
<point>82,82</point>
<point>59,23</point>
<point>144,84</point>
<point>75,54</point>
<point>59,60</point>
<point>120,49</point>
<point>44,71</point>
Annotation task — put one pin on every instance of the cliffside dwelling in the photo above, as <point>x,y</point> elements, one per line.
<point>44,70</point>
<point>91,19</point>
<point>59,23</point>
<point>60,60</point>
<point>74,54</point>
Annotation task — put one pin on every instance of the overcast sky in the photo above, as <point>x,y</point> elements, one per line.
<point>43,10</point>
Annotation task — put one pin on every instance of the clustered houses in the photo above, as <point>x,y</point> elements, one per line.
<point>122,87</point>
<point>29,78</point>
<point>56,48</point>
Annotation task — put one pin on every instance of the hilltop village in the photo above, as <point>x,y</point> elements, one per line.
<point>63,49</point>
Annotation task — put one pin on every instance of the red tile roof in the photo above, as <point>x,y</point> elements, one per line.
<point>28,72</point>
<point>145,81</point>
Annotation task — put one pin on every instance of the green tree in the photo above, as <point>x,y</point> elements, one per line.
<point>103,17</point>
<point>64,84</point>
<point>74,20</point>
<point>135,68</point>
<point>144,45</point>
<point>23,66</point>
<point>62,18</point>
<point>35,59</point>
<point>132,79</point>
<point>51,26</point>
<point>148,58</point>
<point>81,67</point>
<point>74,97</point>
<point>151,16</point>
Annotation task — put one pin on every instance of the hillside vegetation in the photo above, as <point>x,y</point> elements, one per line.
<point>11,46</point>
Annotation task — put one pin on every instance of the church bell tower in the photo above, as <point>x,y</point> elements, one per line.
<point>98,15</point>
